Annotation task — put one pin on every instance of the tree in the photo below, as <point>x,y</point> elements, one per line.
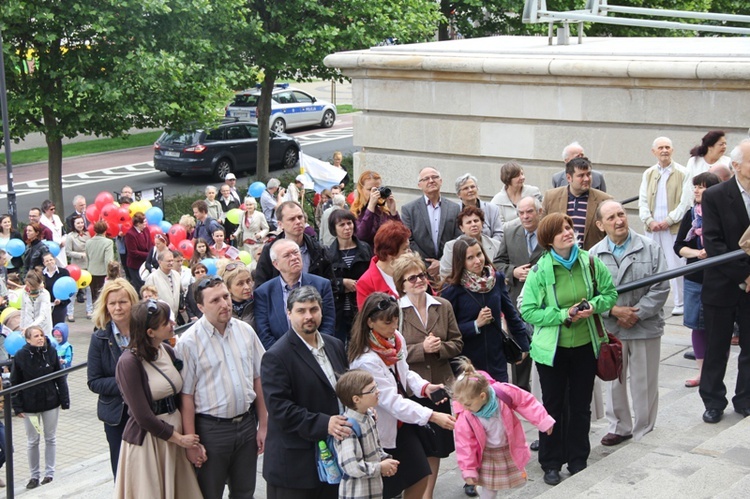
<point>76,67</point>
<point>296,35</point>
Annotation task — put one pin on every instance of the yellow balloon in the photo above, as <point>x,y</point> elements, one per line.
<point>245,257</point>
<point>146,205</point>
<point>135,207</point>
<point>84,280</point>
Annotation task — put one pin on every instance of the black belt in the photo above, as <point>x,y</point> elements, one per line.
<point>167,405</point>
<point>236,419</point>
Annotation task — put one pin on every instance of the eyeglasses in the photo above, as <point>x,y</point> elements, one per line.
<point>430,177</point>
<point>383,305</point>
<point>232,266</point>
<point>210,282</point>
<point>416,277</point>
<point>370,392</point>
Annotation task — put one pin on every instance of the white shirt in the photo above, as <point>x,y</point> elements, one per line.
<point>433,213</point>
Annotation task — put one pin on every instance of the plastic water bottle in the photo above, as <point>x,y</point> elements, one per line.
<point>332,468</point>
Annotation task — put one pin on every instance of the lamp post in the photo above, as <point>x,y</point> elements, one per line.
<point>12,210</point>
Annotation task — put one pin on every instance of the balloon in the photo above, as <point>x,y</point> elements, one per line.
<point>233,215</point>
<point>210,264</point>
<point>316,199</point>
<point>14,342</point>
<point>245,257</point>
<point>91,230</point>
<point>123,214</point>
<point>113,229</point>
<point>154,215</point>
<point>146,205</point>
<point>109,212</point>
<point>155,230</point>
<point>53,247</point>
<point>185,247</point>
<point>84,280</point>
<point>350,198</point>
<point>92,213</point>
<point>7,312</point>
<point>126,225</point>
<point>102,199</point>
<point>177,233</point>
<point>74,271</point>
<point>15,299</point>
<point>256,189</point>
<point>134,208</point>
<point>165,226</point>
<point>64,288</point>
<point>15,247</point>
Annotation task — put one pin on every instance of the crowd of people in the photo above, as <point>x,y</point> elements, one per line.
<point>435,315</point>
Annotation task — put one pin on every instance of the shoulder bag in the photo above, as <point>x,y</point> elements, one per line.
<point>609,363</point>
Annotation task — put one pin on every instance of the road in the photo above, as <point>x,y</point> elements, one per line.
<point>90,175</point>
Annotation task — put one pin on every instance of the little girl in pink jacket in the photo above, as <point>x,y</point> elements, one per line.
<point>491,445</point>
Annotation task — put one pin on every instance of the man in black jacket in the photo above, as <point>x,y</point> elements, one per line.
<point>291,220</point>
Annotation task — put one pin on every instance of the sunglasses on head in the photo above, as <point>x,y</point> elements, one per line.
<point>383,305</point>
<point>151,308</point>
<point>210,282</point>
<point>233,266</point>
<point>416,277</point>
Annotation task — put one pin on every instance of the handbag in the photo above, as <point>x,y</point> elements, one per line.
<point>511,349</point>
<point>609,363</point>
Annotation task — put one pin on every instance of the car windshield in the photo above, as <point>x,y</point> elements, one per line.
<point>180,138</point>
<point>245,100</point>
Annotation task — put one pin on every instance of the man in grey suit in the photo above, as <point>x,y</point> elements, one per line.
<point>431,219</point>
<point>575,150</point>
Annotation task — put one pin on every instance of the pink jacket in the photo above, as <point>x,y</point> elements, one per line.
<point>470,436</point>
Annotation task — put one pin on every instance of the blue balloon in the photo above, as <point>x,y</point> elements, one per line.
<point>53,247</point>
<point>154,215</point>
<point>15,247</point>
<point>14,342</point>
<point>210,264</point>
<point>256,189</point>
<point>65,288</point>
<point>165,226</point>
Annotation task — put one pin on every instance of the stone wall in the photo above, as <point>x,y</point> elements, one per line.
<point>471,105</point>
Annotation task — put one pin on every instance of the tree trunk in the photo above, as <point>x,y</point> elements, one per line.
<point>264,127</point>
<point>445,8</point>
<point>54,163</point>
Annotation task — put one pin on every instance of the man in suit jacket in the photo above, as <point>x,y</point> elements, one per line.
<point>431,219</point>
<point>726,216</point>
<point>579,201</point>
<point>299,374</point>
<point>575,150</point>
<point>271,297</point>
<point>79,210</point>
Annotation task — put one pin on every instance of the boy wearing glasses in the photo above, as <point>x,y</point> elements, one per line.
<point>361,457</point>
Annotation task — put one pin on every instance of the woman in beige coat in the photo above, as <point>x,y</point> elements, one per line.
<point>99,252</point>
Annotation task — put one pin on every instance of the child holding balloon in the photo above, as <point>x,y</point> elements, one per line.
<point>52,275</point>
<point>36,307</point>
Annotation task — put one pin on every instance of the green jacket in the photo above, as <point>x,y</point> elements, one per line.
<point>540,307</point>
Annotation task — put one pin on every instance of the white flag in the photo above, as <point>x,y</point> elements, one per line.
<point>323,175</point>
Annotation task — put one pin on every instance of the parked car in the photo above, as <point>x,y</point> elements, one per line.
<point>290,108</point>
<point>232,147</point>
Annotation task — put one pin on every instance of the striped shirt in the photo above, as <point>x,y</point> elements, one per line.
<point>577,206</point>
<point>219,370</point>
<point>359,459</point>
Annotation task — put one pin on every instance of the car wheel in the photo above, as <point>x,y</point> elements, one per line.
<point>328,119</point>
<point>223,168</point>
<point>291,156</point>
<point>174,174</point>
<point>279,125</point>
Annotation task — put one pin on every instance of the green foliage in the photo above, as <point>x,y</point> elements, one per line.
<point>180,204</point>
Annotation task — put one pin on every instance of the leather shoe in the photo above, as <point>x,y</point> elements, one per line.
<point>712,415</point>
<point>611,439</point>
<point>573,471</point>
<point>690,355</point>
<point>470,490</point>
<point>46,480</point>
<point>33,483</point>
<point>551,477</point>
<point>534,445</point>
<point>744,412</point>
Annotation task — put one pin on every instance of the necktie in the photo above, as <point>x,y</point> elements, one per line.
<point>531,242</point>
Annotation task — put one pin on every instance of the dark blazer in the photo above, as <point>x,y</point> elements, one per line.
<point>359,266</point>
<point>270,309</point>
<point>514,253</point>
<point>556,201</point>
<point>300,402</point>
<point>102,361</point>
<point>416,218</point>
<point>319,264</point>
<point>724,221</point>
<point>69,221</point>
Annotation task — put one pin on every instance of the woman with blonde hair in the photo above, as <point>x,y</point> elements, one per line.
<point>240,284</point>
<point>371,208</point>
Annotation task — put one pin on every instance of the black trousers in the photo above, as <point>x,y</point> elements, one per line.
<point>322,491</point>
<point>114,439</point>
<point>521,373</point>
<point>567,388</point>
<point>719,326</point>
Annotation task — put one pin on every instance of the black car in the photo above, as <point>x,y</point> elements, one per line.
<point>232,147</point>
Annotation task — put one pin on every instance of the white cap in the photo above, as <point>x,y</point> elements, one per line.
<point>230,176</point>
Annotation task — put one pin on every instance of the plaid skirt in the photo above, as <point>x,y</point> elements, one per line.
<point>498,471</point>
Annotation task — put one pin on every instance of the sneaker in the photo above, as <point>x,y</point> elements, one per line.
<point>677,311</point>
<point>89,316</point>
<point>46,480</point>
<point>470,490</point>
<point>71,318</point>
<point>33,483</point>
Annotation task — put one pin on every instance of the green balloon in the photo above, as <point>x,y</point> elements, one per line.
<point>245,257</point>
<point>234,215</point>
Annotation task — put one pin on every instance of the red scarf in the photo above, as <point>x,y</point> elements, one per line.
<point>389,351</point>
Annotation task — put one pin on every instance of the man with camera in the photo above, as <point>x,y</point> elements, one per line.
<point>637,319</point>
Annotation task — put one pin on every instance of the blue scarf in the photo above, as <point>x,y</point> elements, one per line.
<point>568,264</point>
<point>489,409</point>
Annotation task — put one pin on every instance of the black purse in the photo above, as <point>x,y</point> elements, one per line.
<point>511,348</point>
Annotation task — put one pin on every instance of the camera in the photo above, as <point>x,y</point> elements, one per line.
<point>385,192</point>
<point>583,305</point>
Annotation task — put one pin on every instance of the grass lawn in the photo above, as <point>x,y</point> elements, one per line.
<point>345,109</point>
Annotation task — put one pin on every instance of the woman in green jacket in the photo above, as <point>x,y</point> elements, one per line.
<point>565,345</point>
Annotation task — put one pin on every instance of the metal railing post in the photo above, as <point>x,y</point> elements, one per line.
<point>8,418</point>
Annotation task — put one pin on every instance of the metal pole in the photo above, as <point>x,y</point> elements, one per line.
<point>12,211</point>
<point>687,269</point>
<point>8,410</point>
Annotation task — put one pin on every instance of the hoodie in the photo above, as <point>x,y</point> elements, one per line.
<point>64,349</point>
<point>33,362</point>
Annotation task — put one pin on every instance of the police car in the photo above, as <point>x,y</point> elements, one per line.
<point>290,108</point>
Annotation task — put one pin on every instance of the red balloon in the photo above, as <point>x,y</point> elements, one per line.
<point>171,247</point>
<point>103,198</point>
<point>126,225</point>
<point>186,248</point>
<point>350,198</point>
<point>91,230</point>
<point>316,199</point>
<point>177,233</point>
<point>123,214</point>
<point>113,229</point>
<point>155,230</point>
<point>110,213</point>
<point>74,271</point>
<point>92,214</point>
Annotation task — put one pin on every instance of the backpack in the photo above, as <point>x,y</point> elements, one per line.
<point>324,474</point>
